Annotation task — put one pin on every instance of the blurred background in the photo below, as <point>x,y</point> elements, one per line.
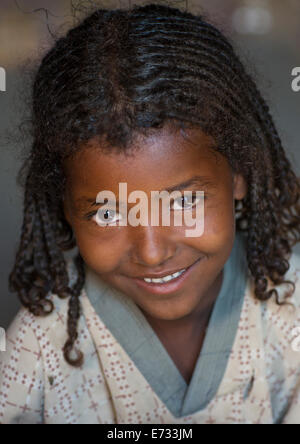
<point>266,35</point>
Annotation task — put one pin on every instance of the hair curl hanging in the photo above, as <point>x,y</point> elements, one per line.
<point>122,72</point>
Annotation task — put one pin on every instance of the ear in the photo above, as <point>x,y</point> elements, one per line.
<point>240,187</point>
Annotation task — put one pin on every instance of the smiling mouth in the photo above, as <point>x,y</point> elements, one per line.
<point>169,277</point>
<point>169,283</point>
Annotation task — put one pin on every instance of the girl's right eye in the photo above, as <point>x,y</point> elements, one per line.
<point>107,217</point>
<point>104,217</point>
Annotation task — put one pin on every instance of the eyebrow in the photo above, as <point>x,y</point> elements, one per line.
<point>201,181</point>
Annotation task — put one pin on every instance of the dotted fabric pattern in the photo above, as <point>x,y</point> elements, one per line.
<point>261,384</point>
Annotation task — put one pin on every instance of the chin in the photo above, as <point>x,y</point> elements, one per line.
<point>170,313</point>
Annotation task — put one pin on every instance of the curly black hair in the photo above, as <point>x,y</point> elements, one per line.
<point>123,72</point>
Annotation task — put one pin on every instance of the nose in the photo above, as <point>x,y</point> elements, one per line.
<point>152,246</point>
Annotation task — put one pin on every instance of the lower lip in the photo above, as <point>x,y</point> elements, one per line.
<point>170,286</point>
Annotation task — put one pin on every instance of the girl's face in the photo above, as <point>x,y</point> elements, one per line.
<point>123,255</point>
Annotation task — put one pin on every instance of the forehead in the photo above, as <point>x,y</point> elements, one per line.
<point>154,162</point>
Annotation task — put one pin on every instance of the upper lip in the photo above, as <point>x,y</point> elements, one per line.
<point>163,273</point>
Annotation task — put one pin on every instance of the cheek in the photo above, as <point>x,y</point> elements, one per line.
<point>219,220</point>
<point>99,248</point>
<point>219,226</point>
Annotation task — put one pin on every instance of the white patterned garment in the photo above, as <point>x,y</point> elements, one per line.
<point>261,384</point>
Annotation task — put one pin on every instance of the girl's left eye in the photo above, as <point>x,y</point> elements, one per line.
<point>187,202</point>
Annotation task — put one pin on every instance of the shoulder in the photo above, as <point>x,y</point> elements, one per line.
<point>27,334</point>
<point>281,339</point>
<point>284,318</point>
<point>21,373</point>
<point>30,330</point>
<point>287,291</point>
<point>20,338</point>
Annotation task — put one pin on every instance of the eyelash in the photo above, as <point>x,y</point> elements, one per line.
<point>91,214</point>
<point>89,217</point>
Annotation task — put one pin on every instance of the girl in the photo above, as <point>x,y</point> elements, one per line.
<point>147,325</point>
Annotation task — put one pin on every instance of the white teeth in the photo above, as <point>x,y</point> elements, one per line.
<point>165,278</point>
